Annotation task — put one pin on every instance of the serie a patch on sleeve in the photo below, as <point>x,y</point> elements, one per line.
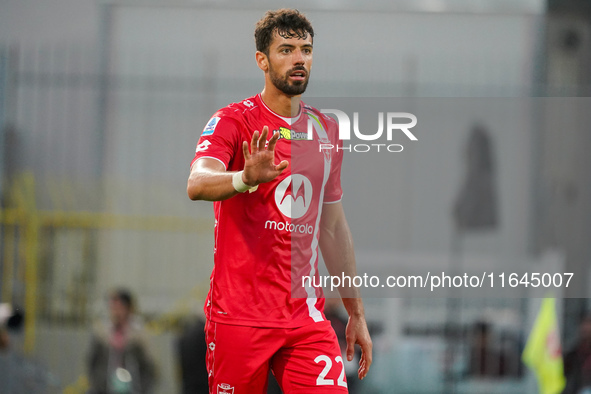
<point>211,125</point>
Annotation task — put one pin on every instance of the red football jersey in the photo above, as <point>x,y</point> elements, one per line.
<point>265,237</point>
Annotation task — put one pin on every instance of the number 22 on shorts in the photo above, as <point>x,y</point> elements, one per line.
<point>321,380</point>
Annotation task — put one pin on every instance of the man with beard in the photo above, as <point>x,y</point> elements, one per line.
<point>270,220</point>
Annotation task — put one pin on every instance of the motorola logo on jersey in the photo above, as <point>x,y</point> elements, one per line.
<point>293,196</point>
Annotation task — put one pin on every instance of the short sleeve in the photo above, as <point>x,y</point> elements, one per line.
<point>220,140</point>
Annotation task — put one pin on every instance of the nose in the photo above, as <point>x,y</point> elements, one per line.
<point>298,57</point>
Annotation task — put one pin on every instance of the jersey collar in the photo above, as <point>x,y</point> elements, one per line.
<point>289,121</point>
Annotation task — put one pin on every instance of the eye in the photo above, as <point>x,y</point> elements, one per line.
<point>307,51</point>
<point>285,50</point>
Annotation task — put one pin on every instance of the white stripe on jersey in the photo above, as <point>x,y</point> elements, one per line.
<point>311,300</point>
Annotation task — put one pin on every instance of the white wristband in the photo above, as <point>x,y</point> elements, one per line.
<point>238,183</point>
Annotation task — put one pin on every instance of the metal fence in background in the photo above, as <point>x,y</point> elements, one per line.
<point>94,165</point>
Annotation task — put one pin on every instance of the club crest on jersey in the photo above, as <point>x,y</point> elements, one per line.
<point>225,388</point>
<point>211,125</point>
<point>327,152</point>
<point>291,135</point>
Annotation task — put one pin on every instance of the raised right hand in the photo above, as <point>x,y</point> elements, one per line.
<point>259,161</point>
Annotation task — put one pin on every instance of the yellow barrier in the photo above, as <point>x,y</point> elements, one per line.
<point>26,218</point>
<point>80,386</point>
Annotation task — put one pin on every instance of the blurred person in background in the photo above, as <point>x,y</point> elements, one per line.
<point>254,323</point>
<point>17,373</point>
<point>119,360</point>
<point>191,350</point>
<point>4,344</point>
<point>11,318</point>
<point>5,312</point>
<point>3,339</point>
<point>577,361</point>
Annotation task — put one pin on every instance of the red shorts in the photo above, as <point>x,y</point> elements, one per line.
<point>304,360</point>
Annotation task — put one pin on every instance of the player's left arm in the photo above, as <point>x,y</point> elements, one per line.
<point>336,245</point>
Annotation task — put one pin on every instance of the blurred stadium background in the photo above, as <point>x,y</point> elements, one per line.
<point>102,103</point>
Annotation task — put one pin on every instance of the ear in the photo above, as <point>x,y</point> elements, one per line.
<point>262,61</point>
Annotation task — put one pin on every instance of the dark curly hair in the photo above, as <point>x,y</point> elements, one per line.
<point>124,296</point>
<point>286,22</point>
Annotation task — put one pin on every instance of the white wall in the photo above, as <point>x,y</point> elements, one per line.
<point>55,21</point>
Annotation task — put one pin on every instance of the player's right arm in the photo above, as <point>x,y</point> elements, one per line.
<point>210,181</point>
